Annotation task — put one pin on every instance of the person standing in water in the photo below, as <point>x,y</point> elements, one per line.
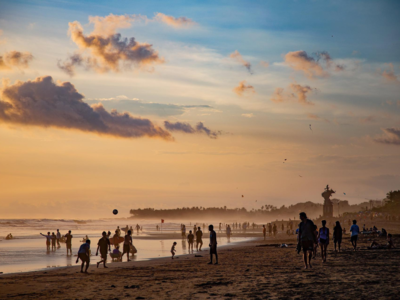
<point>173,251</point>
<point>48,240</point>
<point>53,241</point>
<point>127,244</point>
<point>355,230</point>
<point>69,241</point>
<point>228,232</point>
<point>103,245</point>
<point>264,232</point>
<point>190,239</point>
<point>199,239</point>
<point>58,236</point>
<point>323,238</point>
<point>306,238</point>
<point>83,255</point>
<point>213,245</point>
<point>337,235</point>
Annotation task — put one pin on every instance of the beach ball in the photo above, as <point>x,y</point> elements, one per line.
<point>115,212</point>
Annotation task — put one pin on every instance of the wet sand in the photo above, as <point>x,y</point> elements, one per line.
<point>252,270</point>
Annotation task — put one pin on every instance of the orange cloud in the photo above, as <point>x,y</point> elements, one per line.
<point>389,75</point>
<point>265,64</point>
<point>239,58</point>
<point>43,103</point>
<point>243,88</point>
<point>181,22</point>
<point>294,91</point>
<point>17,59</point>
<point>278,96</point>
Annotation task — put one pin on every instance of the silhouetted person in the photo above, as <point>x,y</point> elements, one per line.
<point>323,238</point>
<point>199,239</point>
<point>58,237</point>
<point>127,244</point>
<point>53,241</point>
<point>337,235</point>
<point>213,245</point>
<point>69,241</point>
<point>83,255</point>
<point>173,251</point>
<point>306,238</point>
<point>355,230</point>
<point>190,239</point>
<point>103,245</point>
<point>264,232</point>
<point>228,232</point>
<point>48,240</point>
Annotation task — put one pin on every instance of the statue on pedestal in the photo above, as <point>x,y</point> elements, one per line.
<point>328,205</point>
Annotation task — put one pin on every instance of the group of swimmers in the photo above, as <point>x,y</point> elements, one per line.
<point>53,239</point>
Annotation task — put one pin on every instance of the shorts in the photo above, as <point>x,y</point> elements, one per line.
<point>69,246</point>
<point>337,240</point>
<point>199,242</point>
<point>307,246</point>
<point>103,254</point>
<point>84,257</point>
<point>354,238</point>
<point>48,243</point>
<point>323,241</point>
<point>213,249</point>
<point>127,248</point>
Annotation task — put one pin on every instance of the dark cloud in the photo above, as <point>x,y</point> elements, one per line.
<point>391,136</point>
<point>17,59</point>
<point>43,103</point>
<point>187,128</point>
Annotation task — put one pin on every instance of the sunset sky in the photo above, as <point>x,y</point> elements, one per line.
<point>214,100</point>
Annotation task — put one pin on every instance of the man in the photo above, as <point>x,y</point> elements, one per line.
<point>355,230</point>
<point>306,238</point>
<point>103,245</point>
<point>53,241</point>
<point>69,241</point>
<point>48,239</point>
<point>127,244</point>
<point>83,255</point>
<point>190,239</point>
<point>264,232</point>
<point>58,237</point>
<point>213,245</point>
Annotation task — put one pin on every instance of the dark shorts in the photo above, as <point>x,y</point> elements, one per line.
<point>323,241</point>
<point>127,248</point>
<point>337,240</point>
<point>213,250</point>
<point>307,245</point>
<point>103,254</point>
<point>69,246</point>
<point>354,238</point>
<point>84,257</point>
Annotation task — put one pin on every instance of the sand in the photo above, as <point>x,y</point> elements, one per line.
<point>252,270</point>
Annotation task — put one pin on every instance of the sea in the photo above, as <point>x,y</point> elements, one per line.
<point>27,250</point>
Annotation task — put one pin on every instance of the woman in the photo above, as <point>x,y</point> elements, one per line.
<point>323,238</point>
<point>337,235</point>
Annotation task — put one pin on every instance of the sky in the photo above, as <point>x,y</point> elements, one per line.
<point>131,104</point>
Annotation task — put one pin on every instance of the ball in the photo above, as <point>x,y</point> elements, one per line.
<point>115,212</point>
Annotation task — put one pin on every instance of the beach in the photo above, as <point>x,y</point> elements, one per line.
<point>254,269</point>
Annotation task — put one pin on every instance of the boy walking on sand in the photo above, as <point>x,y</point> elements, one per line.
<point>127,244</point>
<point>103,245</point>
<point>173,251</point>
<point>354,234</point>
<point>213,245</point>
<point>83,255</point>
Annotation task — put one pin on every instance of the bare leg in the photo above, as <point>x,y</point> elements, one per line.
<point>305,260</point>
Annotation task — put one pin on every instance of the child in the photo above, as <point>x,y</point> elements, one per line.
<point>173,251</point>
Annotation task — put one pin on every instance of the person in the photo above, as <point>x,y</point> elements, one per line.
<point>118,231</point>
<point>337,235</point>
<point>53,241</point>
<point>355,230</point>
<point>228,232</point>
<point>364,227</point>
<point>264,232</point>
<point>213,245</point>
<point>323,239</point>
<point>58,237</point>
<point>108,234</point>
<point>383,233</point>
<point>390,244</point>
<point>127,244</point>
<point>173,251</point>
<point>190,239</point>
<point>83,255</point>
<point>306,238</point>
<point>116,239</point>
<point>48,239</point>
<point>137,228</point>
<point>69,241</point>
<point>103,245</point>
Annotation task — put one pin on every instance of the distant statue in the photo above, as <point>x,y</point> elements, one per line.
<point>328,205</point>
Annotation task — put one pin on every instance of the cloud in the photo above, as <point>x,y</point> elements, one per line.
<point>310,66</point>
<point>389,75</point>
<point>316,117</point>
<point>187,128</point>
<point>43,103</point>
<point>16,59</point>
<point>105,49</point>
<point>239,58</point>
<point>391,136</point>
<point>294,91</point>
<point>181,22</point>
<point>243,88</point>
<point>368,119</point>
<point>265,64</point>
<point>250,115</point>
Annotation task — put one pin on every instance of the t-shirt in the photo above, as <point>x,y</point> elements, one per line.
<point>69,238</point>
<point>116,251</point>
<point>128,240</point>
<point>306,231</point>
<point>58,235</point>
<point>190,237</point>
<point>199,235</point>
<point>354,229</point>
<point>337,232</point>
<point>104,244</point>
<point>213,238</point>
<point>84,248</point>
